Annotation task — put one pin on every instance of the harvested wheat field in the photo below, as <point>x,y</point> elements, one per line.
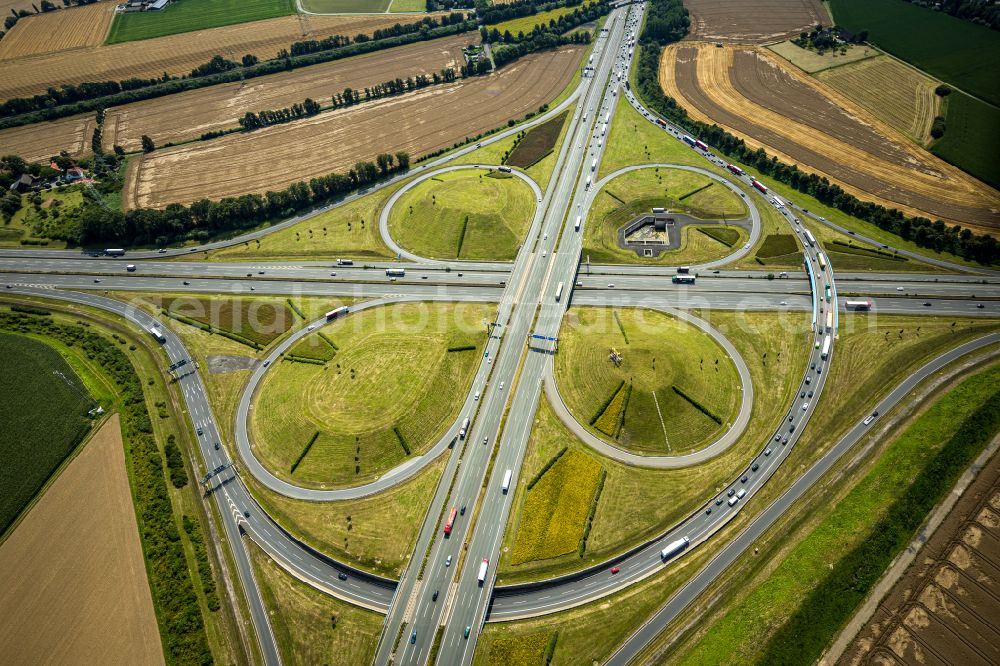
<point>418,123</point>
<point>62,30</point>
<point>753,21</point>
<point>891,91</point>
<point>177,54</point>
<point>753,94</point>
<point>73,583</point>
<point>943,609</point>
<point>41,141</point>
<point>188,115</point>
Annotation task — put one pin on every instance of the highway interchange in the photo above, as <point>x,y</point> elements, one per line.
<point>443,589</point>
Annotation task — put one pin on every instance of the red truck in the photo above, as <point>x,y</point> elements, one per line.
<point>735,169</point>
<point>757,184</point>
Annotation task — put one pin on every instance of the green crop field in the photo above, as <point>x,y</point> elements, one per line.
<point>392,385</point>
<point>257,320</point>
<point>360,6</point>
<point>971,140</point>
<point>465,215</point>
<point>555,511</point>
<point>956,51</point>
<point>187,15</point>
<point>636,192</point>
<point>526,23</point>
<point>46,417</point>
<point>741,634</point>
<point>537,143</point>
<point>659,352</point>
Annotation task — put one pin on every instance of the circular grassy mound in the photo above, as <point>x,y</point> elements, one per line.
<point>672,390</point>
<point>468,214</point>
<point>359,396</point>
<point>637,192</point>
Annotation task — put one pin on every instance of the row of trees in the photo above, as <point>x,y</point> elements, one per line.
<point>538,41</point>
<point>71,99</point>
<point>251,120</point>
<point>983,12</point>
<point>489,14</point>
<point>935,235</point>
<point>203,219</point>
<point>558,26</point>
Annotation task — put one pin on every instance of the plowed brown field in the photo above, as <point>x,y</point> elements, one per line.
<point>73,583</point>
<point>70,28</point>
<point>188,115</point>
<point>753,20</point>
<point>944,609</point>
<point>419,123</point>
<point>177,54</point>
<point>752,94</point>
<point>890,90</point>
<point>43,140</point>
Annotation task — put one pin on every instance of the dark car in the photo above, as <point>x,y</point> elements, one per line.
<point>731,492</point>
<point>200,431</point>
<point>784,441</point>
<point>978,305</point>
<point>434,597</point>
<point>216,446</point>
<point>754,467</point>
<point>462,512</point>
<point>813,366</point>
<point>744,479</point>
<point>718,502</point>
<point>927,304</point>
<point>186,282</point>
<point>341,575</point>
<point>708,511</point>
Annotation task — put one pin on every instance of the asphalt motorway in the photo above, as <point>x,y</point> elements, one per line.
<point>735,548</point>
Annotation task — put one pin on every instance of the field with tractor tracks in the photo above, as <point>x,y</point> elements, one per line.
<point>418,123</point>
<point>40,141</point>
<point>891,91</point>
<point>753,94</point>
<point>753,20</point>
<point>175,54</point>
<point>188,115</point>
<point>63,30</point>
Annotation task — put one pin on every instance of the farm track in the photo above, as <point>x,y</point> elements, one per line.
<point>708,82</point>
<point>944,608</point>
<point>41,141</point>
<point>753,20</point>
<point>418,123</point>
<point>62,30</point>
<point>187,115</point>
<point>175,54</point>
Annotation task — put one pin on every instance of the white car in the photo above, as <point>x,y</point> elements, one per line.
<point>900,288</point>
